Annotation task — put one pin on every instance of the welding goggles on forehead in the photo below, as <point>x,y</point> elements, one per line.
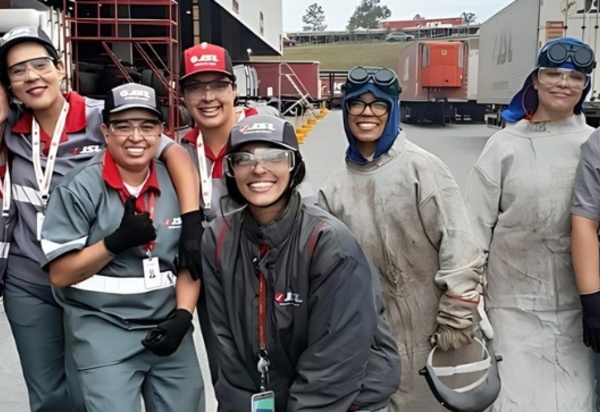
<point>384,78</point>
<point>558,53</point>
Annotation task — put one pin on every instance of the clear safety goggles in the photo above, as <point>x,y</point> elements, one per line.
<point>552,76</point>
<point>272,159</point>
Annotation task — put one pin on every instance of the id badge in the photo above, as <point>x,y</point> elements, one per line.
<point>152,276</point>
<point>39,224</point>
<point>263,402</point>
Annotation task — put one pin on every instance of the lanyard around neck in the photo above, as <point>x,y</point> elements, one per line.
<point>6,186</point>
<point>205,176</point>
<point>44,178</point>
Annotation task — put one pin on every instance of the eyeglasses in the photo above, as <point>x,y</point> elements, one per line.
<point>217,87</point>
<point>380,76</point>
<point>40,65</point>
<point>581,55</point>
<point>550,76</point>
<point>126,128</point>
<point>274,160</point>
<point>379,108</point>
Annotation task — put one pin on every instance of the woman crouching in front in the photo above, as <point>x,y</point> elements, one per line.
<point>292,299</point>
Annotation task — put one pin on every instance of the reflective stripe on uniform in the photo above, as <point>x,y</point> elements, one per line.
<point>49,247</point>
<point>123,286</point>
<point>27,194</point>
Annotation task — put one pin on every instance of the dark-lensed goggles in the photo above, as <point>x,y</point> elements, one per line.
<point>382,77</point>
<point>558,53</point>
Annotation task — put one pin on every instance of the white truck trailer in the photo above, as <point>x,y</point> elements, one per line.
<point>510,40</point>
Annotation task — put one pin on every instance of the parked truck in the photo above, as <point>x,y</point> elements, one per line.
<point>510,40</point>
<point>435,82</point>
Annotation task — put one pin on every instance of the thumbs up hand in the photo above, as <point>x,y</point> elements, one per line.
<point>134,230</point>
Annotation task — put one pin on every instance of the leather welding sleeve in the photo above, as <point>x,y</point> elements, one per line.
<point>461,260</point>
<point>228,358</point>
<point>342,322</point>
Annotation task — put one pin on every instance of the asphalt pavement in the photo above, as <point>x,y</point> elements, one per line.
<point>457,145</point>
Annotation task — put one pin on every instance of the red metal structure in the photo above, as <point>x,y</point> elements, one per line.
<point>152,37</point>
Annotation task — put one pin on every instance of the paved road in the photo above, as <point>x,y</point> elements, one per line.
<point>457,145</point>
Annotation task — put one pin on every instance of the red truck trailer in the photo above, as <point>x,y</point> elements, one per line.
<point>434,78</point>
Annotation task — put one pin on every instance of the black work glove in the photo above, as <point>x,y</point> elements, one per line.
<point>134,230</point>
<point>192,229</point>
<point>591,320</point>
<point>166,337</point>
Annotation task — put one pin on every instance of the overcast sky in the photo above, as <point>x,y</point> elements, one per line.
<point>337,12</point>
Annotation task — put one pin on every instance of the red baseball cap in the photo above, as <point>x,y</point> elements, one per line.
<point>206,57</point>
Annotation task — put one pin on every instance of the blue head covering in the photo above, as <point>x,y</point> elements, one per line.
<point>392,127</point>
<point>525,102</point>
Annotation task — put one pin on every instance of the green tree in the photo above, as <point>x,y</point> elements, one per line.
<point>368,15</point>
<point>418,17</point>
<point>468,17</point>
<point>314,18</point>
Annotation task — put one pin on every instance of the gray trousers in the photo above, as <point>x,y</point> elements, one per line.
<point>167,384</point>
<point>36,321</point>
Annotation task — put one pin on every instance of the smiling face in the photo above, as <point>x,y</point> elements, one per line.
<point>368,126</point>
<point>37,82</point>
<point>209,98</point>
<point>557,99</point>
<point>132,138</point>
<point>263,179</point>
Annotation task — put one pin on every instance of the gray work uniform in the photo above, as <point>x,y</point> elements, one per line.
<point>109,314</point>
<point>35,318</point>
<point>586,203</point>
<point>7,218</point>
<point>329,345</point>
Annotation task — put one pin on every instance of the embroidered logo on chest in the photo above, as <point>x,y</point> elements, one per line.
<point>90,149</point>
<point>288,299</point>
<point>174,223</point>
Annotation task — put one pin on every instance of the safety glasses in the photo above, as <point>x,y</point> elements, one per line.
<point>272,159</point>
<point>379,108</point>
<point>382,77</point>
<point>581,56</point>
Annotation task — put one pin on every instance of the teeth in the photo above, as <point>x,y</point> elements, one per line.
<point>135,150</point>
<point>261,185</point>
<point>367,126</point>
<point>210,109</point>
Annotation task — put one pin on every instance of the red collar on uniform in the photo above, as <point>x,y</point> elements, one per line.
<point>217,160</point>
<point>75,122</point>
<point>112,177</point>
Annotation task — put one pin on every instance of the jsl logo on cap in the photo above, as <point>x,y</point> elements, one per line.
<point>23,31</point>
<point>135,95</point>
<point>257,128</point>
<point>205,58</point>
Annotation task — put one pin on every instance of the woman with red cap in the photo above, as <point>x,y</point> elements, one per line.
<point>519,193</point>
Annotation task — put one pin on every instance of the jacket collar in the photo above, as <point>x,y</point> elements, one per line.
<point>571,124</point>
<point>397,148</point>
<point>75,122</point>
<point>276,232</point>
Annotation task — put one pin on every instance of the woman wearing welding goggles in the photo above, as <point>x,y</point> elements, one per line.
<point>519,193</point>
<point>406,210</point>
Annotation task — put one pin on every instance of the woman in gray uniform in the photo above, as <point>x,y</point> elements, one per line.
<point>55,133</point>
<point>294,303</point>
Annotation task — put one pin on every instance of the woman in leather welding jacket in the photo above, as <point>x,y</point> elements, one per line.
<point>55,133</point>
<point>293,301</point>
<point>519,193</point>
<point>407,212</point>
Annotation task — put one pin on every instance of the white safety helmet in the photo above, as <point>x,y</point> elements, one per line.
<point>475,397</point>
